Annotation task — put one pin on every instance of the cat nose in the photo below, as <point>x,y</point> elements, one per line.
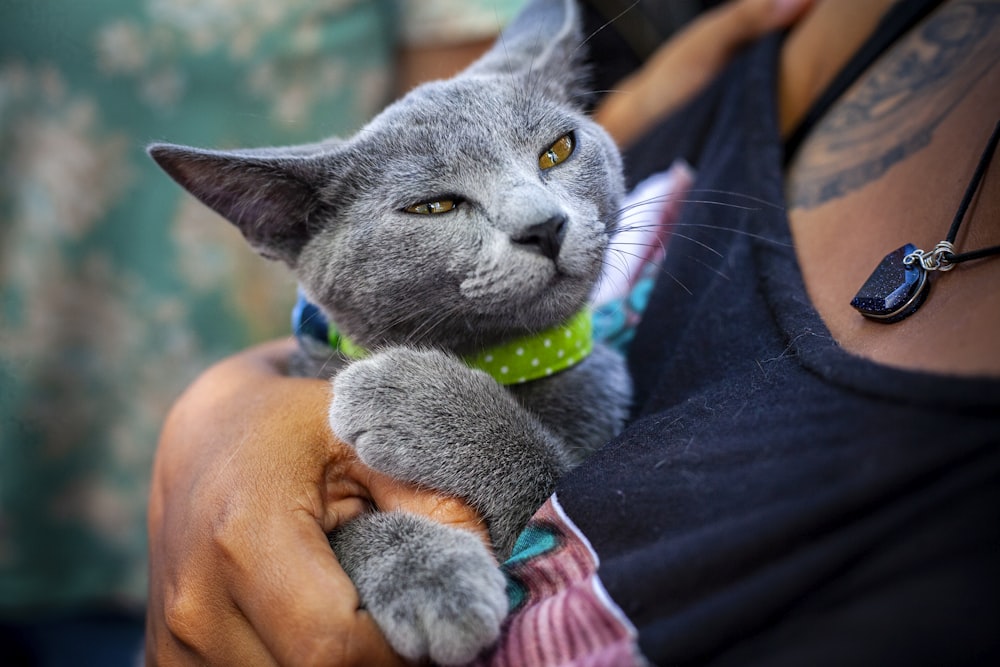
<point>544,238</point>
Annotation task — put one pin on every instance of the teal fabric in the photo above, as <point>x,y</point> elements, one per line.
<point>116,289</point>
<point>616,320</point>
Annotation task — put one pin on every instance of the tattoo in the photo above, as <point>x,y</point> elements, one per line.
<point>892,111</point>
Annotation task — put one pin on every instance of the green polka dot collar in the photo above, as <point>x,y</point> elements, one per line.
<point>538,355</point>
<point>529,358</point>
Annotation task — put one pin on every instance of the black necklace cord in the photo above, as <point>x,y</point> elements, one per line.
<point>944,257</point>
<point>898,286</point>
<point>970,190</point>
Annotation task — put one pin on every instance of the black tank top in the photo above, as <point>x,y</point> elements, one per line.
<point>777,500</point>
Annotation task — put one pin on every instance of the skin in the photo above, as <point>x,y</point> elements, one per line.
<point>241,571</point>
<point>429,63</point>
<point>248,478</point>
<point>911,198</point>
<point>682,66</point>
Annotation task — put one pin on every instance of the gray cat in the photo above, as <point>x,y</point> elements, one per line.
<point>472,212</point>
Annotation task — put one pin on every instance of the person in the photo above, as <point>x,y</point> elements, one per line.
<point>798,484</point>
<point>117,289</point>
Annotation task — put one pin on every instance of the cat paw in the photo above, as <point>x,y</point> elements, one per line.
<point>409,412</point>
<point>435,591</point>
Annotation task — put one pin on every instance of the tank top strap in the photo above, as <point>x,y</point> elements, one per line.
<point>900,18</point>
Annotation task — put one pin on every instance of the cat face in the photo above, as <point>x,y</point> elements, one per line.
<point>470,211</point>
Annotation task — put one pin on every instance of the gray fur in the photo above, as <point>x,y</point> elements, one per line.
<point>422,290</point>
<point>450,588</point>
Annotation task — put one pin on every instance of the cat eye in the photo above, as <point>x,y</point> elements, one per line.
<point>432,207</point>
<point>557,152</point>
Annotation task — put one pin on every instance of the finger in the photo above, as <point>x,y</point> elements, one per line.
<point>241,571</point>
<point>301,602</point>
<point>700,51</point>
<point>177,632</point>
<point>189,619</point>
<point>733,24</point>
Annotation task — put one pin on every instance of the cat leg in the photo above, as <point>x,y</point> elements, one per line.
<point>425,417</point>
<point>434,590</point>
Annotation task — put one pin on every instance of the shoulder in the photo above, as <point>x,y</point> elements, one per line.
<point>887,165</point>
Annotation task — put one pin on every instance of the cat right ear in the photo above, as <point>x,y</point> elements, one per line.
<point>542,42</point>
<point>269,195</point>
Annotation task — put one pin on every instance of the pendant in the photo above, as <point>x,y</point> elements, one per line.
<point>895,289</point>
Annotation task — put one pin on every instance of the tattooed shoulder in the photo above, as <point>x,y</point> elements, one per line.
<point>893,110</point>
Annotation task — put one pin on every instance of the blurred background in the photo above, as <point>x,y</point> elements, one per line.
<point>116,289</point>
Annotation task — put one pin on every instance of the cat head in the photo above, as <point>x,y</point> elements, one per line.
<point>473,210</point>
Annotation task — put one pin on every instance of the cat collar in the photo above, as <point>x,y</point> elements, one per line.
<point>528,358</point>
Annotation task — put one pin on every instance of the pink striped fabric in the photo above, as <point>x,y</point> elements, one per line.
<point>565,617</point>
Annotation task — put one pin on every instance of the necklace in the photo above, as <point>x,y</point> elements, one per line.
<point>528,358</point>
<point>899,285</point>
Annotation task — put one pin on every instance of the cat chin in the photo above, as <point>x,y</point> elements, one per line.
<point>528,294</point>
<point>539,311</point>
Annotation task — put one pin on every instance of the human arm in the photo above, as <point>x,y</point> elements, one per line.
<point>438,39</point>
<point>684,64</point>
<point>680,68</point>
<point>246,483</point>
<point>427,62</point>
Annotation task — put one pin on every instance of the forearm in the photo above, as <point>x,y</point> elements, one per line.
<point>685,64</point>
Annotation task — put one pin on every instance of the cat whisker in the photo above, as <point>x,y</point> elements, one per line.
<point>685,197</point>
<point>658,245</point>
<point>660,267</point>
<point>429,325</point>
<point>639,244</point>
<point>678,282</point>
<point>697,242</point>
<point>721,228</point>
<point>591,93</point>
<point>620,267</point>
<point>709,267</point>
<point>430,320</point>
<point>667,198</point>
<point>317,314</point>
<point>626,253</point>
<point>608,23</point>
<point>675,279</point>
<point>322,372</point>
<point>741,195</point>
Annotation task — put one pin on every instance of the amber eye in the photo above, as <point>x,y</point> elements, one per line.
<point>432,207</point>
<point>557,152</point>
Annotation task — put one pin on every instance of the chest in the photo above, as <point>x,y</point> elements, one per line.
<point>887,165</point>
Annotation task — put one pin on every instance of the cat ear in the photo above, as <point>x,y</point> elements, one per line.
<point>543,43</point>
<point>269,194</point>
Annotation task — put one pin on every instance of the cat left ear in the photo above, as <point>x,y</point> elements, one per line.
<point>542,42</point>
<point>269,194</point>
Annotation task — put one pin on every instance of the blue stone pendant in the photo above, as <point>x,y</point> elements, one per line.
<point>895,290</point>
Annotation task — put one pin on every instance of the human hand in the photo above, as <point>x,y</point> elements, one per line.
<point>247,482</point>
<point>688,61</point>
